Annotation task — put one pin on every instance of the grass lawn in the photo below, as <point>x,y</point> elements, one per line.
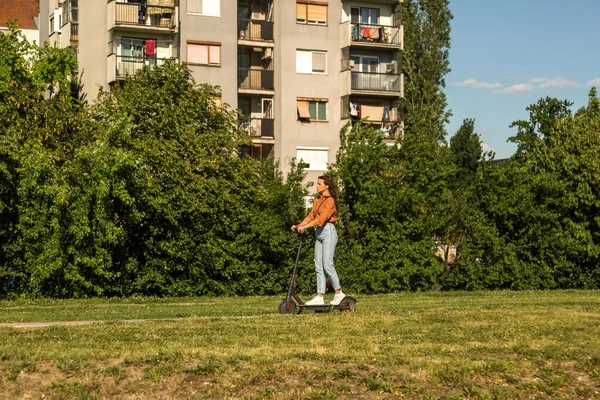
<point>485,345</point>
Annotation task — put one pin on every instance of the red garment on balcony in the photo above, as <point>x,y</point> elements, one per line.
<point>366,32</point>
<point>150,47</point>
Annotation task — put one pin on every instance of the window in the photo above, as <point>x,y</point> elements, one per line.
<point>257,150</point>
<point>313,13</point>
<point>364,63</point>
<point>52,24</point>
<point>312,109</point>
<point>138,48</point>
<point>204,54</point>
<point>311,62</point>
<point>204,7</point>
<point>313,158</point>
<point>369,16</point>
<point>364,15</point>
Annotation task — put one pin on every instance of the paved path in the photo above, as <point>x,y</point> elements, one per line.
<point>68,323</point>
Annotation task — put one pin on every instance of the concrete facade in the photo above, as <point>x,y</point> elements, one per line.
<point>297,70</point>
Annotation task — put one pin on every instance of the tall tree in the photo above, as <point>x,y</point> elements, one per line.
<point>543,117</point>
<point>425,63</point>
<point>466,151</point>
<point>38,114</point>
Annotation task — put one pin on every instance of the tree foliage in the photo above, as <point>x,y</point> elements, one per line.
<point>150,194</point>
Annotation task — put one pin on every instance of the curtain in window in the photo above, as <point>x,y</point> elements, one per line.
<point>312,109</point>
<point>322,111</point>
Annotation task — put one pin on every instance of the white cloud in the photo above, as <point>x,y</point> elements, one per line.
<point>594,82</point>
<point>519,88</point>
<point>475,84</point>
<point>486,147</point>
<point>538,80</point>
<point>558,83</point>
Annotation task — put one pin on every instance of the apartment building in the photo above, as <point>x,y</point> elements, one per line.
<point>298,70</point>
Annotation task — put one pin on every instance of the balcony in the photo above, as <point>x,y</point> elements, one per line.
<point>376,82</point>
<point>256,79</point>
<point>255,30</point>
<point>389,130</point>
<point>376,35</point>
<point>258,127</point>
<point>128,65</point>
<point>74,33</point>
<point>157,14</point>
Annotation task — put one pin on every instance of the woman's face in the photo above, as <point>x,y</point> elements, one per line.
<point>321,186</point>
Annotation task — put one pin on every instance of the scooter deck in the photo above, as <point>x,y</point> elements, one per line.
<point>327,307</point>
<point>324,307</point>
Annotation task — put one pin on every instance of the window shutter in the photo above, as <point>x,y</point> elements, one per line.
<point>317,14</point>
<point>194,6</point>
<point>197,54</point>
<point>215,55</point>
<point>303,109</point>
<point>319,62</point>
<point>315,158</point>
<point>300,12</point>
<point>304,61</point>
<point>211,7</point>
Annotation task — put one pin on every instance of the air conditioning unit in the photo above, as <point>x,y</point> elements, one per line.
<point>257,15</point>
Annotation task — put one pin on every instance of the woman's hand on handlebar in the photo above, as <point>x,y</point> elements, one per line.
<point>299,228</point>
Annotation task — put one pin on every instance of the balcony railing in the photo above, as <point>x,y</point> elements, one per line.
<point>74,32</point>
<point>255,79</point>
<point>263,127</point>
<point>145,15</point>
<point>377,82</point>
<point>128,65</point>
<point>249,29</point>
<point>390,130</point>
<point>375,33</point>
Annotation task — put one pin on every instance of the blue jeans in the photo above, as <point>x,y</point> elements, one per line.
<point>324,249</point>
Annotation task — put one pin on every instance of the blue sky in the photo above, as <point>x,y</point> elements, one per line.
<point>506,55</point>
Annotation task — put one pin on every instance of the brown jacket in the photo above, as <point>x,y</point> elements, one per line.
<point>323,210</point>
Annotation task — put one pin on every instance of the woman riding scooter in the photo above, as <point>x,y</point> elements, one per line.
<point>322,216</point>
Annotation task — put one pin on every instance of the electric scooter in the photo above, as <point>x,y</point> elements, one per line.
<point>292,301</point>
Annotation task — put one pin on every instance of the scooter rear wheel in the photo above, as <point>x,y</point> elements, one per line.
<point>286,307</point>
<point>348,304</point>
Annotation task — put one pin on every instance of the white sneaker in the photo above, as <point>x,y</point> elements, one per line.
<point>316,301</point>
<point>337,299</point>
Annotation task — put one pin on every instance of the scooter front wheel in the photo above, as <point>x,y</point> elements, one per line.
<point>286,307</point>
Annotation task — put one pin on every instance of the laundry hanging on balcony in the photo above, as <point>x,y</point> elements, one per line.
<point>371,113</point>
<point>150,47</point>
<point>370,33</point>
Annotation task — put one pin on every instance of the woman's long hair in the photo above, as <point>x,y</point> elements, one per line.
<point>332,189</point>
